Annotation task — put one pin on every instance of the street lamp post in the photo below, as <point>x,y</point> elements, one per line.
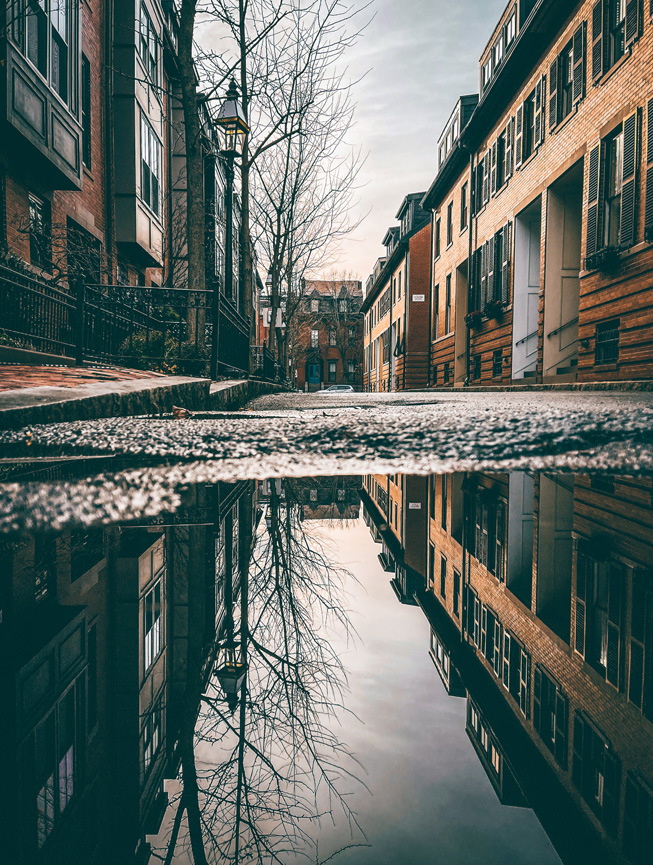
<point>231,120</point>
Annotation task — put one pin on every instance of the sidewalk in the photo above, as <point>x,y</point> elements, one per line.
<point>47,394</point>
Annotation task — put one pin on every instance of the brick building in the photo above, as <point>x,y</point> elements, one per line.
<point>396,305</point>
<point>92,154</point>
<point>539,592</point>
<point>325,343</point>
<point>544,273</point>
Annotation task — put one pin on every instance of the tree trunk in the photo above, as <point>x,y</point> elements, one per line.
<point>195,218</point>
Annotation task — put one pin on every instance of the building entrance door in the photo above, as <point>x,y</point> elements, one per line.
<point>314,377</point>
<point>526,291</point>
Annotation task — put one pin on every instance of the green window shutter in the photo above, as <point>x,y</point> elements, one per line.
<point>632,22</point>
<point>648,207</point>
<point>593,221</point>
<point>561,728</point>
<point>578,59</point>
<point>597,40</point>
<point>581,595</point>
<point>505,266</point>
<point>553,93</point>
<point>629,181</point>
<point>490,269</point>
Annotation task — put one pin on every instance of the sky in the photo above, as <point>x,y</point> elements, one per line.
<point>420,56</point>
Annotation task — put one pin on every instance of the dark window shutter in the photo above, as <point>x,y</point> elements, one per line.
<point>505,265</point>
<point>510,132</point>
<point>484,623</point>
<point>494,169</point>
<point>499,536</point>
<point>597,40</point>
<point>553,93</point>
<point>470,610</point>
<point>519,136</point>
<point>486,176</point>
<point>611,785</point>
<point>505,671</point>
<point>478,541</point>
<point>579,751</point>
<point>614,626</point>
<point>490,269</point>
<point>525,683</point>
<point>636,676</point>
<point>561,727</point>
<point>540,111</point>
<point>483,290</point>
<point>480,168</point>
<point>593,201</point>
<point>632,21</point>
<point>629,182</point>
<point>477,622</point>
<point>579,63</point>
<point>581,595</point>
<point>648,208</point>
<point>537,699</point>
<point>631,819</point>
<point>496,654</point>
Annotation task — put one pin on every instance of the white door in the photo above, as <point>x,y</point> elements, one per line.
<point>526,294</point>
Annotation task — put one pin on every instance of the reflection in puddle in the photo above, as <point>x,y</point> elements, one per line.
<point>222,683</point>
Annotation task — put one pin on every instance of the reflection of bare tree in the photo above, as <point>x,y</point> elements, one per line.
<point>257,781</point>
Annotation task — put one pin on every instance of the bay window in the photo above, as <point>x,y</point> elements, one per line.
<point>150,166</point>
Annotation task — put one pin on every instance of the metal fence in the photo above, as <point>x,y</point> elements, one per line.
<point>264,364</point>
<point>166,329</point>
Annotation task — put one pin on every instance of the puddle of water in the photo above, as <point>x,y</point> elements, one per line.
<point>370,669</point>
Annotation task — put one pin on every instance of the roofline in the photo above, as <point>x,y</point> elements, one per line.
<point>390,264</point>
<point>459,101</point>
<point>412,196</point>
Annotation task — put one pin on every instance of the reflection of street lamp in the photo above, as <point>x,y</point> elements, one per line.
<point>230,668</point>
<point>231,120</point>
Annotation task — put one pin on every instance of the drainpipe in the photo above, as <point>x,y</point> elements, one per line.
<point>390,337</point>
<point>428,355</point>
<point>407,301</point>
<point>108,143</point>
<point>470,261</point>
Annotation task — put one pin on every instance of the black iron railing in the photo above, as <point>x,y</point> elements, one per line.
<point>264,364</point>
<point>166,329</point>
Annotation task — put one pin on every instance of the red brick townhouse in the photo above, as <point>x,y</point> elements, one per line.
<point>396,305</point>
<point>558,159</point>
<point>92,154</point>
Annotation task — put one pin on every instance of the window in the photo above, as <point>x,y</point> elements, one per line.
<point>456,593</point>
<point>496,760</point>
<point>528,141</point>
<point>450,223</point>
<point>476,369</point>
<point>332,370</point>
<point>596,772</point>
<point>150,166</point>
<point>613,185</point>
<point>497,363</point>
<point>86,111</point>
<point>511,29</point>
<point>83,253</point>
<point>486,73</point>
<point>437,238</point>
<point>148,46</point>
<point>616,31</point>
<point>40,232</point>
<point>315,306</point>
<point>36,35</point>
<point>598,614</point>
<point>566,81</point>
<point>435,373</point>
<point>550,715</point>
<point>485,741</point>
<point>606,348</point>
<point>315,335</point>
<point>152,625</point>
<point>447,306</point>
<point>498,51</point>
<point>500,169</point>
<point>399,286</point>
<point>436,311</point>
<point>351,367</point>
<point>446,373</point>
<point>342,305</point>
<point>638,821</point>
<point>332,336</point>
<point>443,577</point>
<point>464,204</point>
<point>59,48</point>
<point>151,736</point>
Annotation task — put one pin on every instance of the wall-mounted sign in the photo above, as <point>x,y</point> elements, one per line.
<point>419,298</point>
<point>414,506</point>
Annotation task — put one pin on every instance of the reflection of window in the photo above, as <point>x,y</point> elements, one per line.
<point>599,591</point>
<point>152,625</point>
<point>148,46</point>
<point>550,715</point>
<point>40,232</point>
<point>351,367</point>
<point>332,370</point>
<point>596,772</point>
<point>315,306</point>
<point>150,166</point>
<point>313,495</point>
<point>496,760</point>
<point>151,736</point>
<point>314,338</point>
<point>332,336</point>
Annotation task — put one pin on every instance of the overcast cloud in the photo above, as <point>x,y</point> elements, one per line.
<point>421,56</point>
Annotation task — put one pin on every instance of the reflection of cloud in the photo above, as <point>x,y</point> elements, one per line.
<point>421,56</point>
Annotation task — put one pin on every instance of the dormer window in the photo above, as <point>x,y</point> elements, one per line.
<point>486,73</point>
<point>498,51</point>
<point>511,29</point>
<point>456,130</point>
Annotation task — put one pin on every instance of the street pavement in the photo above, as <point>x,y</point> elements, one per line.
<point>299,435</point>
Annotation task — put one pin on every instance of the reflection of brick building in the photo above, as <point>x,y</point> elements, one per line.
<point>327,335</point>
<point>539,591</point>
<point>94,637</point>
<point>330,498</point>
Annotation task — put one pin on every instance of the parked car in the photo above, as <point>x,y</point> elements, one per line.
<point>339,388</point>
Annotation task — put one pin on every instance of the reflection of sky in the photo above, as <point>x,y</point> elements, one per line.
<point>430,801</point>
<point>421,56</point>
